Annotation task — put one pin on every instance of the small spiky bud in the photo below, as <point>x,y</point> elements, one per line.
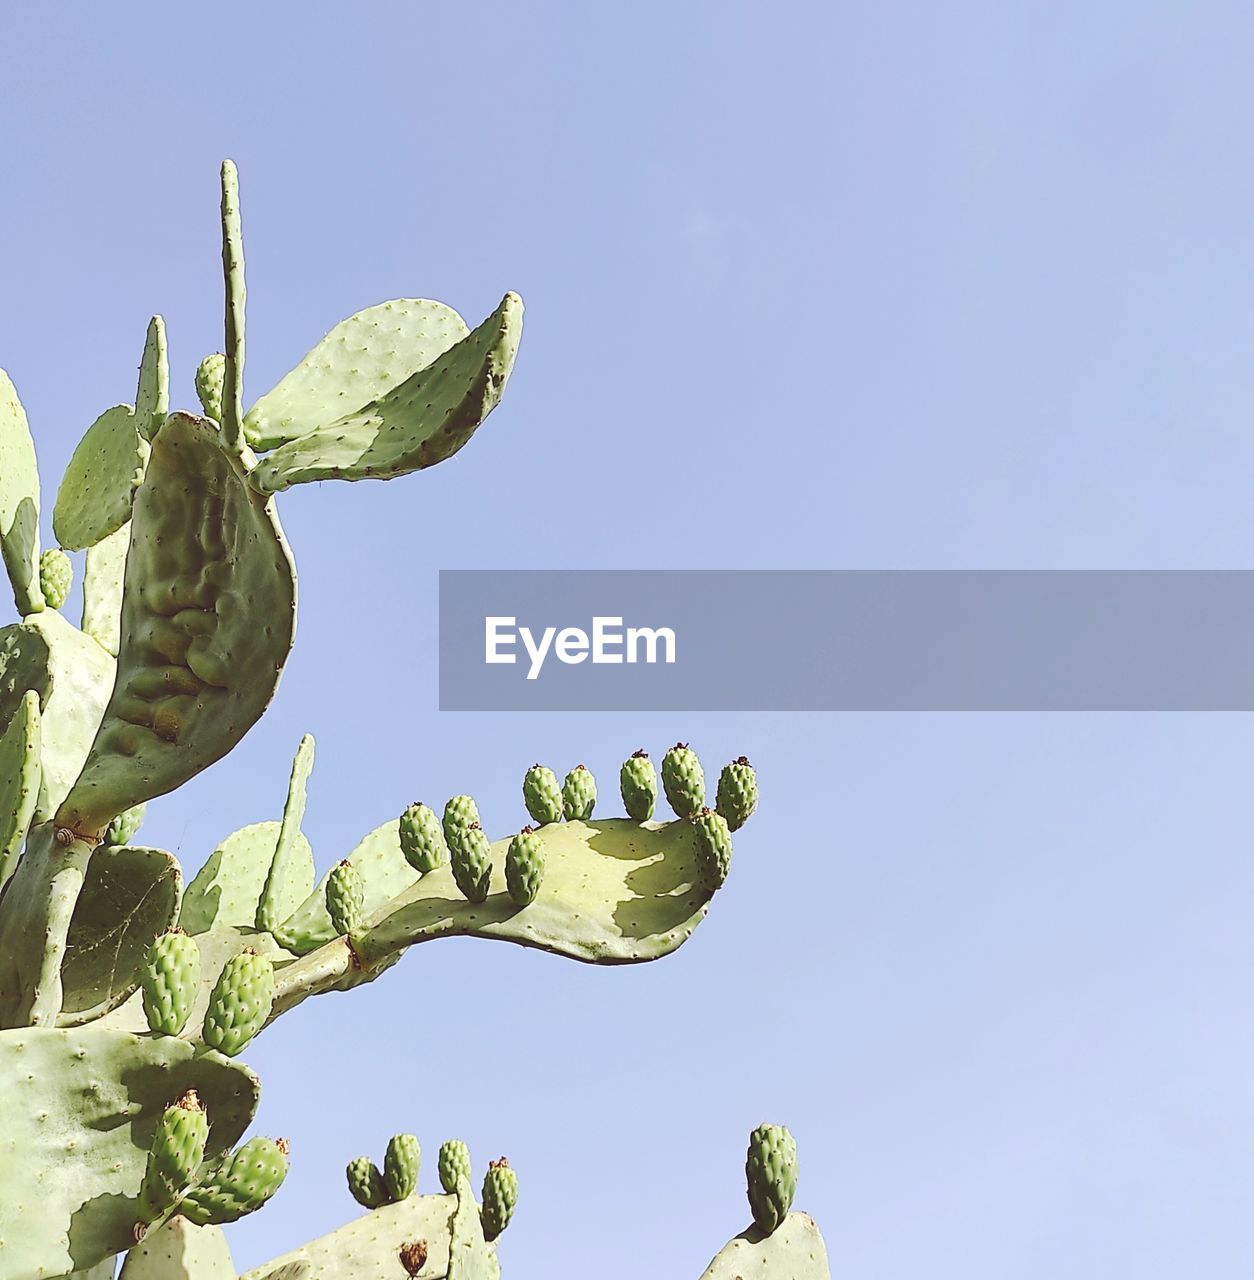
<point>56,573</point>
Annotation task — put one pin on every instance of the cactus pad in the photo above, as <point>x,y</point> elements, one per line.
<point>357,363</point>
<point>104,567</point>
<point>419,422</point>
<point>130,896</point>
<point>98,1094</point>
<point>99,486</point>
<point>178,1250</point>
<point>195,669</point>
<point>19,501</point>
<point>19,780</point>
<point>287,868</point>
<point>795,1250</point>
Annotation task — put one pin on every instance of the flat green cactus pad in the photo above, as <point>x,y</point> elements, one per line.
<point>371,1244</point>
<point>152,396</point>
<point>102,588</point>
<point>228,888</point>
<point>208,616</point>
<point>416,424</point>
<point>287,874</point>
<point>72,676</point>
<point>470,1255</point>
<point>80,1108</point>
<point>358,362</point>
<point>794,1251</point>
<point>99,485</point>
<point>19,780</point>
<point>19,501</point>
<point>177,1250</point>
<point>130,896</point>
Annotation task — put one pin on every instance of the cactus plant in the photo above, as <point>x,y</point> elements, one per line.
<point>125,1000</point>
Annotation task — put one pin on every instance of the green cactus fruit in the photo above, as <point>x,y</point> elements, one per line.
<point>245,1180</point>
<point>454,1164</point>
<point>210,379</point>
<point>346,898</point>
<point>422,839</point>
<point>682,780</point>
<point>579,794</point>
<point>542,795</point>
<point>771,1170</point>
<point>459,814</point>
<point>500,1195</point>
<point>178,1147</point>
<point>637,780</point>
<point>123,828</point>
<point>55,575</point>
<point>737,795</point>
<point>472,863</point>
<point>240,1002</point>
<point>524,866</point>
<point>170,982</point>
<point>400,1166</point>
<point>366,1183</point>
<point>714,843</point>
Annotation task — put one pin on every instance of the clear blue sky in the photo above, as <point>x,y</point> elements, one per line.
<point>891,285</point>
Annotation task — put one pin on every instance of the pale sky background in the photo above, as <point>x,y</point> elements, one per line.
<point>808,285</point>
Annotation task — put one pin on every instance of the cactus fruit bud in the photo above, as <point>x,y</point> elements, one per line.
<point>771,1170</point>
<point>413,1256</point>
<point>240,1002</point>
<point>346,898</point>
<point>123,828</point>
<point>210,378</point>
<point>422,839</point>
<point>245,1180</point>
<point>579,794</point>
<point>472,863</point>
<point>366,1183</point>
<point>637,780</point>
<point>500,1195</point>
<point>542,795</point>
<point>454,1164</point>
<point>737,795</point>
<point>178,1147</point>
<point>714,844</point>
<point>459,814</point>
<point>524,866</point>
<point>682,780</point>
<point>56,572</point>
<point>170,982</point>
<point>400,1166</point>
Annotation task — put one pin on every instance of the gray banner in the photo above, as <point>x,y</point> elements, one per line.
<point>868,640</point>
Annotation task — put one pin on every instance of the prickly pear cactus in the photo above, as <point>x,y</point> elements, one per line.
<point>542,795</point>
<point>579,795</point>
<point>637,781</point>
<point>737,794</point>
<point>125,1001</point>
<point>683,780</point>
<point>771,1170</point>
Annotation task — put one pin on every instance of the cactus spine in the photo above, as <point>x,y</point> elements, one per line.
<point>683,780</point>
<point>579,794</point>
<point>637,781</point>
<point>542,795</point>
